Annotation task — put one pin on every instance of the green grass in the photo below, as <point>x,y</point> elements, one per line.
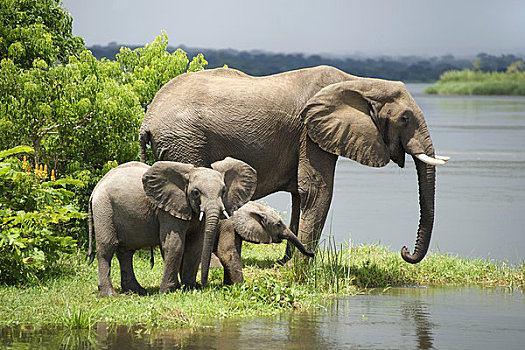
<point>469,82</point>
<point>68,299</point>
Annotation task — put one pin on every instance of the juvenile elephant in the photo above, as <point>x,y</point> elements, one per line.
<point>136,206</point>
<point>255,223</point>
<point>291,127</point>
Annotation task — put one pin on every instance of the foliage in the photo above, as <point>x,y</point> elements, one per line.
<point>81,115</point>
<point>516,66</point>
<point>36,29</point>
<point>36,215</point>
<point>142,65</point>
<point>469,82</point>
<point>87,112</point>
<point>490,63</point>
<point>65,111</point>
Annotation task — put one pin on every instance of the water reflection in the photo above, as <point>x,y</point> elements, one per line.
<point>407,318</point>
<point>418,311</point>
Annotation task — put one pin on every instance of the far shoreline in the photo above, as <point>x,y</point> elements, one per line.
<point>473,83</point>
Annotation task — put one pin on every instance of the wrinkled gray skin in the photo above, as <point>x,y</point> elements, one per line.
<point>255,223</point>
<point>291,127</point>
<point>136,206</point>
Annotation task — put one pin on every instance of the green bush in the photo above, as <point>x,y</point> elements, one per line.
<point>469,82</point>
<point>36,215</point>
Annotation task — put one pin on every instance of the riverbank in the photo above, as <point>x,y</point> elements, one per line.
<point>469,82</point>
<point>68,298</point>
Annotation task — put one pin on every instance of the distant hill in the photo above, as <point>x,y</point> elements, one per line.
<point>408,69</point>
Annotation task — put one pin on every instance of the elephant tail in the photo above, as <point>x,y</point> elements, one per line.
<point>151,258</point>
<point>90,254</point>
<point>144,139</point>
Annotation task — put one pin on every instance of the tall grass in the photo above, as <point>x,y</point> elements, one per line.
<point>338,268</point>
<point>329,270</point>
<point>469,82</point>
<point>80,317</point>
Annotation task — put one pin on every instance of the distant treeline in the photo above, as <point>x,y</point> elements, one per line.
<point>408,69</point>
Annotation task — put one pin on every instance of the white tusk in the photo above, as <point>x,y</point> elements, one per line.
<point>442,158</point>
<point>201,215</point>
<point>429,160</point>
<point>226,214</point>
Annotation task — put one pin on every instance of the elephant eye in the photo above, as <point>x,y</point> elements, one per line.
<point>404,120</point>
<point>195,193</point>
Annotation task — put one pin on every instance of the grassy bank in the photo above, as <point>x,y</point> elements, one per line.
<point>68,298</point>
<point>469,82</point>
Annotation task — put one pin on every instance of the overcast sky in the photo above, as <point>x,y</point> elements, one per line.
<point>369,27</point>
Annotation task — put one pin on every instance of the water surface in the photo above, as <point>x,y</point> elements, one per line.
<point>400,318</point>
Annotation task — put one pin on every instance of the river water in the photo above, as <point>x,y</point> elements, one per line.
<point>480,192</point>
<point>480,212</point>
<point>400,318</point>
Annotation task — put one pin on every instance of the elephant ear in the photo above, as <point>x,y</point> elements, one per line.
<point>249,222</point>
<point>240,180</point>
<point>340,119</point>
<point>165,184</point>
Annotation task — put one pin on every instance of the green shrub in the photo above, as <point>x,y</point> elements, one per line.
<point>36,215</point>
<point>469,82</point>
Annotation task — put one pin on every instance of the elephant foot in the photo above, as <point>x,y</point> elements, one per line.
<point>169,288</point>
<point>107,292</point>
<point>231,282</point>
<point>230,279</point>
<point>136,289</point>
<point>196,285</point>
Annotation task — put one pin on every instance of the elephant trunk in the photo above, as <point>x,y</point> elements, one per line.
<point>427,179</point>
<point>210,230</point>
<point>288,235</point>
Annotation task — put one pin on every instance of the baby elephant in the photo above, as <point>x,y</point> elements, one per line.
<point>255,223</point>
<point>174,205</point>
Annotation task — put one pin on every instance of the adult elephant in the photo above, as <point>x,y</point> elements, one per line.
<point>291,127</point>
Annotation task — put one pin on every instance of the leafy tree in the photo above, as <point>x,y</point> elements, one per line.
<point>73,115</point>
<point>142,65</point>
<point>31,29</point>
<point>87,112</point>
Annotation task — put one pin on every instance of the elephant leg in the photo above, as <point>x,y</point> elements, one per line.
<point>315,204</point>
<point>192,257</point>
<point>104,256</point>
<point>294,224</point>
<point>229,253</point>
<point>106,244</point>
<point>128,281</point>
<point>172,242</point>
<point>315,186</point>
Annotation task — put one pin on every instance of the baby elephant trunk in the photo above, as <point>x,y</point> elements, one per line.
<point>296,242</point>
